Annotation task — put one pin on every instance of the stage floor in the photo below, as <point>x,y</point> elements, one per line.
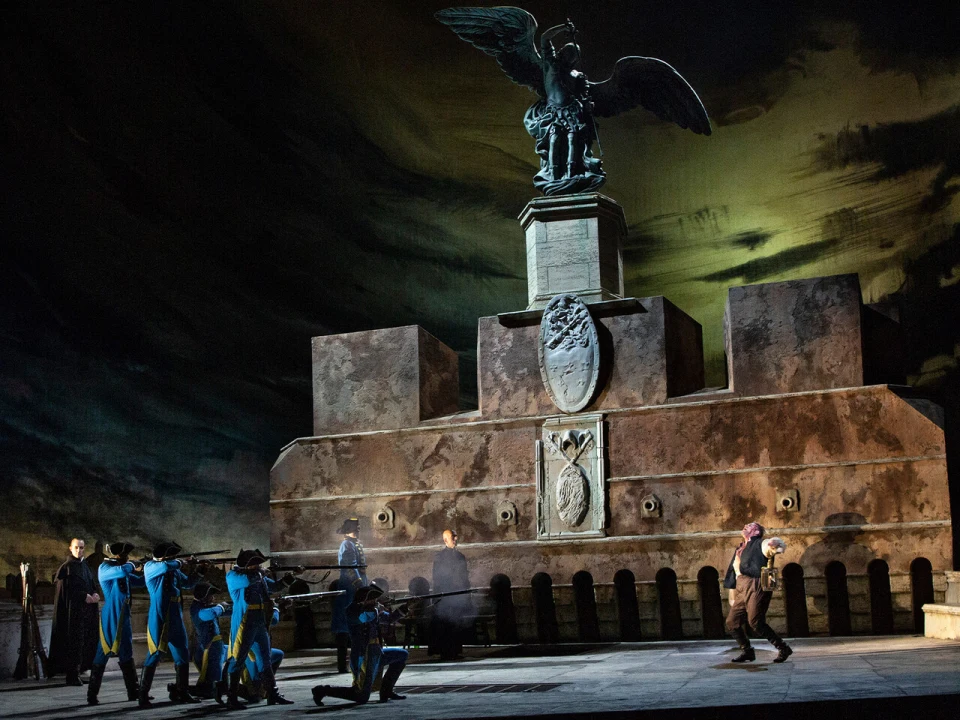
<point>826,678</point>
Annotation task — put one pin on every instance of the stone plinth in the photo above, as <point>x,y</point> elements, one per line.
<point>574,245</point>
<point>650,351</point>
<point>381,379</point>
<point>794,336</point>
<point>953,587</point>
<point>941,621</point>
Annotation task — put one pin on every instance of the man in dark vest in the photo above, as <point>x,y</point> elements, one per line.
<point>451,615</point>
<point>751,601</point>
<point>73,642</point>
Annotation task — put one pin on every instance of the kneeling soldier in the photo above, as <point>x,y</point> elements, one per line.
<point>209,652</point>
<point>365,616</point>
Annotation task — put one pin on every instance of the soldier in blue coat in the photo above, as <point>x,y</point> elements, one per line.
<point>367,619</point>
<point>351,580</point>
<point>117,576</point>
<point>253,609</point>
<point>209,651</point>
<point>166,632</point>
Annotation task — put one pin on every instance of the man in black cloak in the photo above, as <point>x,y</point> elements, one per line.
<point>73,641</point>
<point>451,615</point>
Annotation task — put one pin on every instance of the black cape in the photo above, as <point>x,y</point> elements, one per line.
<point>73,641</point>
<point>449,575</point>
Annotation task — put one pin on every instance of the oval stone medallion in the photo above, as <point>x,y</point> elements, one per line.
<point>569,353</point>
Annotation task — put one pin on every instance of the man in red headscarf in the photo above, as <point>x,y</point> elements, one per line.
<point>751,601</point>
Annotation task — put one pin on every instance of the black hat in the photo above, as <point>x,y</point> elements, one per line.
<point>119,548</point>
<point>246,558</point>
<point>370,592</point>
<point>349,525</point>
<point>204,589</point>
<point>166,549</point>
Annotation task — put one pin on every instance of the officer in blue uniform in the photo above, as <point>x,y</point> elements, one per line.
<point>209,650</point>
<point>166,632</point>
<point>250,590</point>
<point>367,618</point>
<point>117,576</point>
<point>351,580</point>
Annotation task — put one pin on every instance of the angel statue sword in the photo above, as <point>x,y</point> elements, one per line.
<point>563,121</point>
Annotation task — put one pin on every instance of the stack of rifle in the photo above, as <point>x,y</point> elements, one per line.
<point>33,658</point>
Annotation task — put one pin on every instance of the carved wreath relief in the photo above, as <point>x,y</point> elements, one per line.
<point>572,487</point>
<point>569,353</point>
<point>570,478</point>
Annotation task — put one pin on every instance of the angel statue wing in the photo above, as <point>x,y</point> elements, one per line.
<point>655,85</point>
<point>506,33</point>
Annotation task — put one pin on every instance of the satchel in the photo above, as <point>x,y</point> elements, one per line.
<point>769,577</point>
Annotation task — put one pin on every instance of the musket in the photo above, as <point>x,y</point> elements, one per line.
<point>309,597</point>
<point>392,601</point>
<point>181,556</point>
<point>205,553</point>
<point>317,567</point>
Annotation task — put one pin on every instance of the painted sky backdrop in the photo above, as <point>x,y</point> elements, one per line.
<point>193,190</point>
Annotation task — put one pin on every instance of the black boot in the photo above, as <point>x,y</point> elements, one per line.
<point>390,678</point>
<point>233,702</point>
<point>747,653</point>
<point>73,678</point>
<point>130,679</point>
<point>96,677</point>
<point>275,698</point>
<point>181,692</point>
<point>146,680</point>
<point>785,652</point>
<point>344,693</point>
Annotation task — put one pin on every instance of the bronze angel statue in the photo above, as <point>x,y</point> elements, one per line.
<point>562,121</point>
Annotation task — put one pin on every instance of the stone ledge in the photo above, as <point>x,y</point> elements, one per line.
<point>941,621</point>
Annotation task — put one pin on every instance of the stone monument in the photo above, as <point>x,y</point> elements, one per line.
<point>596,458</point>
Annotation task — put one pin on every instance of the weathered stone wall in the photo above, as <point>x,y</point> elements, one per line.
<point>864,467</point>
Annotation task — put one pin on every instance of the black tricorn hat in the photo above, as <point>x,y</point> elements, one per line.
<point>349,525</point>
<point>119,548</point>
<point>246,558</point>
<point>166,549</point>
<point>370,592</point>
<point>203,589</point>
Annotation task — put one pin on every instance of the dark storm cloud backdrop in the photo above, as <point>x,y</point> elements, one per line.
<point>193,190</point>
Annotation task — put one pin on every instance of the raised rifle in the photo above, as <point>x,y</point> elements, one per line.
<point>384,600</point>
<point>182,556</point>
<point>317,567</point>
<point>310,597</point>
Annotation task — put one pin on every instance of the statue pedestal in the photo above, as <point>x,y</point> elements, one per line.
<point>574,245</point>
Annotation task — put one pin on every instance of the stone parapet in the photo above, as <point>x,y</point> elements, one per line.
<point>382,379</point>
<point>793,336</point>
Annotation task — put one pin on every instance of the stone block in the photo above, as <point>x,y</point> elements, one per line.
<point>574,245</point>
<point>941,621</point>
<point>794,336</point>
<point>650,351</point>
<point>381,380</point>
